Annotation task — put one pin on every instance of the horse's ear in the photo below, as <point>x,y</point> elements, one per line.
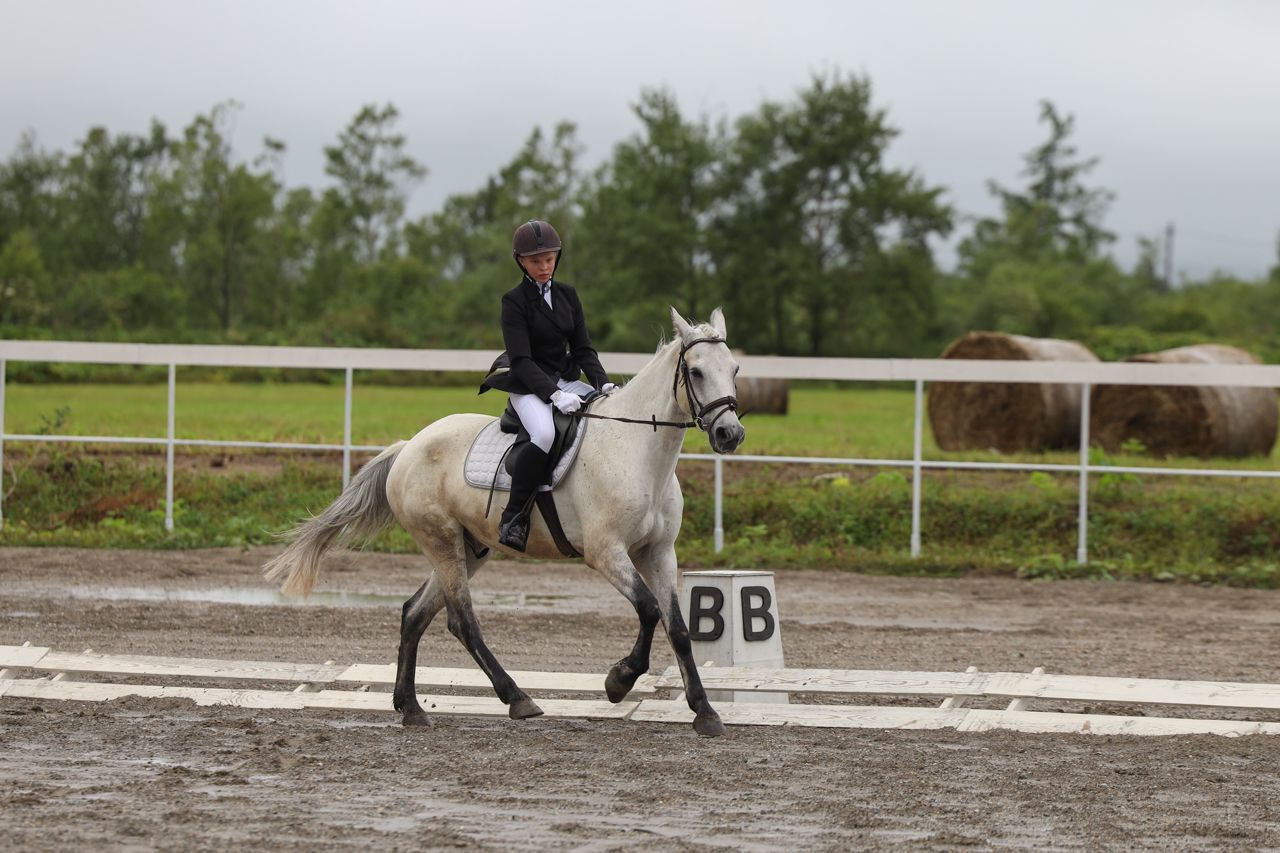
<point>717,323</point>
<point>683,329</point>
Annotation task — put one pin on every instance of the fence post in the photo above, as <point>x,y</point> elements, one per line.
<point>1082,545</point>
<point>168,477</point>
<point>346,435</point>
<point>2,368</point>
<point>917,457</point>
<point>719,522</point>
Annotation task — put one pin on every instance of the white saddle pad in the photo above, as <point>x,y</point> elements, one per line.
<point>492,442</point>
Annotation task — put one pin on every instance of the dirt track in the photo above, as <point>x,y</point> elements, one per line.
<point>140,775</point>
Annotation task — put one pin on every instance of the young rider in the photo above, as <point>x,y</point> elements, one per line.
<point>548,349</point>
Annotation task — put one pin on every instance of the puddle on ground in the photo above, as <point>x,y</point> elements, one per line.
<point>340,598</point>
<point>921,623</point>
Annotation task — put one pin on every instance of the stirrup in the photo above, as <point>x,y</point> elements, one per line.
<point>514,534</point>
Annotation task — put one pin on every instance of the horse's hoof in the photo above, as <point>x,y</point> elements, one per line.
<point>708,724</point>
<point>524,709</point>
<point>418,719</point>
<point>617,686</point>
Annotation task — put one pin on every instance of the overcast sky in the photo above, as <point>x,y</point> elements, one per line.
<point>1180,100</point>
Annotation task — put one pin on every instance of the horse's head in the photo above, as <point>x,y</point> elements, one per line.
<point>704,380</point>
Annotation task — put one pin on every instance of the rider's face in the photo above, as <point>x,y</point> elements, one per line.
<point>540,266</point>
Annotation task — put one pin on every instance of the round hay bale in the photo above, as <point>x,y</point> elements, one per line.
<point>1187,421</point>
<point>1007,416</point>
<point>769,396</point>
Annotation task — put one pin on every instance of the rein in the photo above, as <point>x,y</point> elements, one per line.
<point>729,403</point>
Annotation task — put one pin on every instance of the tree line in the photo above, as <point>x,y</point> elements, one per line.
<point>788,216</point>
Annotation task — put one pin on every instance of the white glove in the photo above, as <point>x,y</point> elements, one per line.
<point>607,387</point>
<point>566,403</point>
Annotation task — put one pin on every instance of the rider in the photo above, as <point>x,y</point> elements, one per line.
<point>548,349</point>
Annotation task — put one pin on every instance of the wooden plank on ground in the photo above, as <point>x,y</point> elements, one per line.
<point>1085,688</point>
<point>1043,722</point>
<point>471,706</point>
<point>84,691</point>
<point>833,681</point>
<point>21,657</point>
<point>822,716</point>
<point>136,665</point>
<point>444,678</point>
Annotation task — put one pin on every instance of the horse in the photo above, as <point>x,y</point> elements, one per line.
<point>620,499</point>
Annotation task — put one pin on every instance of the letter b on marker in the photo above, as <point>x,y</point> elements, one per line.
<point>751,614</point>
<point>697,612</point>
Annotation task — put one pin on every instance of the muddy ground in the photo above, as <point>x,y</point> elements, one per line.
<point>142,775</point>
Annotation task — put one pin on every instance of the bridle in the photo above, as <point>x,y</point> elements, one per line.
<point>697,410</point>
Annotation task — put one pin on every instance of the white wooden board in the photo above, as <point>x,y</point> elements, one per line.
<point>16,657</point>
<point>833,681</point>
<point>188,667</point>
<point>82,691</point>
<point>1085,688</point>
<point>438,678</point>
<point>472,706</point>
<point>1106,724</point>
<point>822,716</point>
<point>1019,687</point>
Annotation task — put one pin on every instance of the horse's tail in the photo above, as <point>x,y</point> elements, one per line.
<point>360,512</point>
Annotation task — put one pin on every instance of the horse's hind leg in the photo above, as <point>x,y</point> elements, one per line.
<point>415,618</point>
<point>464,625</point>
<point>617,567</point>
<point>445,548</point>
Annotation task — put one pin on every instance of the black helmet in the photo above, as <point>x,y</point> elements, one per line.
<point>533,238</point>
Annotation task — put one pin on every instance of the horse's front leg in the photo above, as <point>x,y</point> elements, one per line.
<point>659,571</point>
<point>618,569</point>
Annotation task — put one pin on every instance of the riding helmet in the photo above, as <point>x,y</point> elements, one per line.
<point>533,238</point>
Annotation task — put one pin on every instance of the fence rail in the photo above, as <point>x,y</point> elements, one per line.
<point>919,371</point>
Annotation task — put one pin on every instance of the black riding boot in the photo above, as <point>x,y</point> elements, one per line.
<point>527,471</point>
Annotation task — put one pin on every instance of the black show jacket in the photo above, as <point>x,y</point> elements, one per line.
<point>543,344</point>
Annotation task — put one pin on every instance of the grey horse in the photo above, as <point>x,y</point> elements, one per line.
<point>620,500</point>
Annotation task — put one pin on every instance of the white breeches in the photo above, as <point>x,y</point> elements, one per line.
<point>536,415</point>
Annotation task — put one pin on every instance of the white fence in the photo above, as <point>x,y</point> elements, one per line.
<point>919,371</point>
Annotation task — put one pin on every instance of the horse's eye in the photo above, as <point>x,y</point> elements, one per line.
<point>695,373</point>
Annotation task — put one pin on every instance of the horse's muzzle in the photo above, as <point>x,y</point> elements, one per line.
<point>725,438</point>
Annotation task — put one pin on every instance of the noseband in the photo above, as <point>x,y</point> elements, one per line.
<point>697,410</point>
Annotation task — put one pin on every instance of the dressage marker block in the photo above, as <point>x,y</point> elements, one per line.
<point>359,688</point>
<point>733,622</point>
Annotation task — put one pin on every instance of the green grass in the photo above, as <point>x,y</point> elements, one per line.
<point>292,412</point>
<point>1207,530</point>
<point>863,423</point>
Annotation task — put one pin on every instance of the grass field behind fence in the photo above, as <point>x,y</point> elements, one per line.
<point>821,422</point>
<point>859,423</point>
<point>1200,529</point>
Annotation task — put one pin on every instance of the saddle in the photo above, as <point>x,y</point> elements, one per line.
<point>485,466</point>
